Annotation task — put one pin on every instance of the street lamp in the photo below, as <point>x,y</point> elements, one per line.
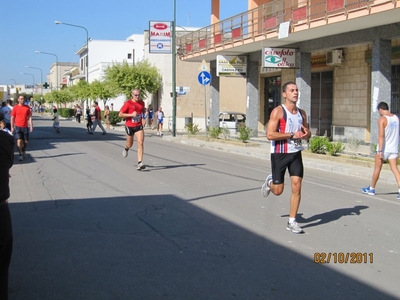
<point>15,82</point>
<point>41,75</point>
<point>41,52</point>
<point>33,77</point>
<point>87,44</point>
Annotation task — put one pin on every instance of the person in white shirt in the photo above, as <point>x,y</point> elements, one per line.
<point>286,129</point>
<point>6,111</point>
<point>387,147</point>
<point>160,121</point>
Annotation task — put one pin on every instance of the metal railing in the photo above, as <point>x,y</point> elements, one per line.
<point>263,22</point>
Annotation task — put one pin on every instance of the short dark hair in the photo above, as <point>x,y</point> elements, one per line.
<point>286,84</point>
<point>95,102</point>
<point>383,105</point>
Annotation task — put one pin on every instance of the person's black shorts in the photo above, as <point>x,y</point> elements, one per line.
<point>21,133</point>
<point>282,161</point>
<point>131,130</point>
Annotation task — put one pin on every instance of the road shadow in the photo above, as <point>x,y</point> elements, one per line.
<point>330,216</point>
<point>159,247</point>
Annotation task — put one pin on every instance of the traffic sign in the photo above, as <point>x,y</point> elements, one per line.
<point>203,66</point>
<point>204,77</point>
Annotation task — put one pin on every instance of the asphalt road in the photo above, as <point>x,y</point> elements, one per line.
<point>193,225</point>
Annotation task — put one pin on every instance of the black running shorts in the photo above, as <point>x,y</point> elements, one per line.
<point>282,161</point>
<point>131,130</point>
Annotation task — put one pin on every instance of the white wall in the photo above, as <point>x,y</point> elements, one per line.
<point>106,51</point>
<point>103,53</point>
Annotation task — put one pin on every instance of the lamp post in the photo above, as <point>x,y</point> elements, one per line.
<point>41,52</point>
<point>174,73</point>
<point>87,44</point>
<point>41,75</point>
<point>33,77</point>
<point>15,82</point>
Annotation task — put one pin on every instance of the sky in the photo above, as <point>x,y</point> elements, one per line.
<point>27,26</point>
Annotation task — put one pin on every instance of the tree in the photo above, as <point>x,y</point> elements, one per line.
<point>101,90</point>
<point>123,78</point>
<point>80,91</point>
<point>38,98</point>
<point>63,96</point>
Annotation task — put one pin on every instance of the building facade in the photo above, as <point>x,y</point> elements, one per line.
<point>346,60</point>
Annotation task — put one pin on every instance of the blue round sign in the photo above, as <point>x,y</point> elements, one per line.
<point>204,77</point>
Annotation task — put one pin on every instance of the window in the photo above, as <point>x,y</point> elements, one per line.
<point>129,55</point>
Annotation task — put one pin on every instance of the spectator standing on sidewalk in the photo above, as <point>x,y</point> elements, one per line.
<point>286,129</point>
<point>6,235</point>
<point>132,112</point>
<point>6,111</point>
<point>97,118</point>
<point>387,147</point>
<point>151,116</point>
<point>160,121</point>
<point>21,125</point>
<point>78,113</point>
<point>107,116</point>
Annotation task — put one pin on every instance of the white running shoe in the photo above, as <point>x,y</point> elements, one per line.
<point>266,189</point>
<point>294,227</point>
<point>141,166</point>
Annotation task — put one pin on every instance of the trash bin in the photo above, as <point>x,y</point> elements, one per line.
<point>188,120</point>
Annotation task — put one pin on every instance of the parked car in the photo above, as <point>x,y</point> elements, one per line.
<point>231,120</point>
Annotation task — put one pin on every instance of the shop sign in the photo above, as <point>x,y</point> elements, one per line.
<point>279,58</point>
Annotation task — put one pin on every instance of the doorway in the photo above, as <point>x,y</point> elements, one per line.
<point>321,103</point>
<point>272,95</point>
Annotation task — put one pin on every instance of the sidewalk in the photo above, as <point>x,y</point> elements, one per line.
<point>260,148</point>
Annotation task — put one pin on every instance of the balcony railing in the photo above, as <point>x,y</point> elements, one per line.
<point>263,22</point>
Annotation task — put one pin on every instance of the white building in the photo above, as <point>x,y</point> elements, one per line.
<point>103,53</point>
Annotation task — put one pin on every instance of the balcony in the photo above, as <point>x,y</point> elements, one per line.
<point>247,32</point>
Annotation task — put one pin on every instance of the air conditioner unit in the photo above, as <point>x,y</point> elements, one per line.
<point>334,57</point>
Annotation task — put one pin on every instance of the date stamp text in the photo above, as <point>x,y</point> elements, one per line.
<point>343,257</point>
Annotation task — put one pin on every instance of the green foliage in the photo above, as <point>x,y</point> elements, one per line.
<point>192,128</point>
<point>63,96</point>
<point>214,132</point>
<point>318,144</point>
<point>244,132</point>
<point>38,98</point>
<point>321,145</point>
<point>334,148</point>
<point>101,90</point>
<point>123,78</point>
<point>114,119</point>
<point>65,112</point>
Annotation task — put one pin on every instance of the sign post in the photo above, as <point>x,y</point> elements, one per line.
<point>204,79</point>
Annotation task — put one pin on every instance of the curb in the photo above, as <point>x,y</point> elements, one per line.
<point>342,166</point>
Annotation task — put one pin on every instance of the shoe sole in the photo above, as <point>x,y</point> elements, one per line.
<point>141,168</point>
<point>368,193</point>
<point>295,232</point>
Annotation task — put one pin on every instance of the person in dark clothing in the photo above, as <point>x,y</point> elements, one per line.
<point>89,123</point>
<point>6,236</point>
